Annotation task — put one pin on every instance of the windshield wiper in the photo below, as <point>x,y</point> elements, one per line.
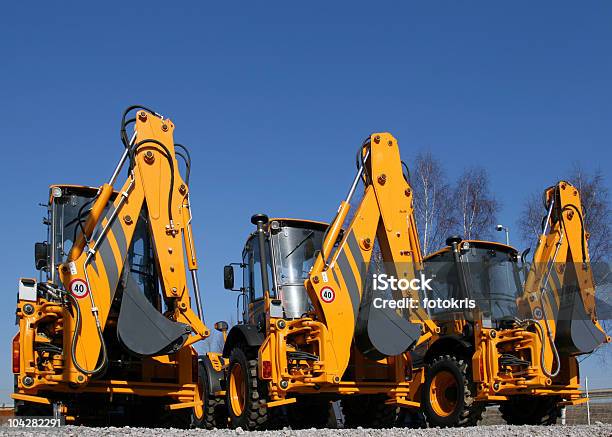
<point>310,234</point>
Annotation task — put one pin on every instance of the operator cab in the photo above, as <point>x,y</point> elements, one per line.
<point>68,206</point>
<point>291,247</point>
<point>67,211</point>
<point>485,272</point>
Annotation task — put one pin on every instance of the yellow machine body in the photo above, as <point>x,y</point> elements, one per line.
<point>59,349</point>
<point>530,359</point>
<point>384,214</point>
<point>315,353</point>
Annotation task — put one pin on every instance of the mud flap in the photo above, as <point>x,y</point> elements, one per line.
<point>143,330</point>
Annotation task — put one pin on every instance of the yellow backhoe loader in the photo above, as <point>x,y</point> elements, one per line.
<point>106,332</point>
<point>309,332</point>
<point>517,348</point>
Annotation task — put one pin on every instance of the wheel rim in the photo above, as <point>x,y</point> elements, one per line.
<point>443,393</point>
<point>237,389</point>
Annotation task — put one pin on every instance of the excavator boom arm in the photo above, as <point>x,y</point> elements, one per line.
<point>338,283</point>
<point>560,287</point>
<point>155,193</point>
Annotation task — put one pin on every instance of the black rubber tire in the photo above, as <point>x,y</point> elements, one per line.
<point>215,413</point>
<point>309,412</point>
<point>255,413</point>
<point>531,410</point>
<point>467,412</point>
<point>368,411</point>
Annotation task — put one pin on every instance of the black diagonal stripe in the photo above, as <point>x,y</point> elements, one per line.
<point>119,237</point>
<point>551,293</point>
<point>358,257</point>
<point>100,226</point>
<point>106,256</point>
<point>355,307</point>
<point>350,281</point>
<point>105,253</point>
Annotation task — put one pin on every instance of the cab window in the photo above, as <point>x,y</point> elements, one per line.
<point>253,262</point>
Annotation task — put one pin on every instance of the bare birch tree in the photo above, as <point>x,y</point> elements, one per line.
<point>529,223</point>
<point>432,202</point>
<point>475,207</point>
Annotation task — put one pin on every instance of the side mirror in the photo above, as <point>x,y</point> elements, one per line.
<point>41,255</point>
<point>221,326</point>
<point>228,277</point>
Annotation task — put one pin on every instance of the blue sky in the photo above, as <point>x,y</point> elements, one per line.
<point>273,98</point>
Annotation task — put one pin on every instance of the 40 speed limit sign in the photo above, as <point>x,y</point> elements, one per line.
<point>78,288</point>
<point>327,294</point>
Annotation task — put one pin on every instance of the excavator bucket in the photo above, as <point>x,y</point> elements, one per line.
<point>382,332</point>
<point>577,334</point>
<point>142,329</point>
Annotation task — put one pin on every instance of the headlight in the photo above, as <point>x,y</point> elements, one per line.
<point>56,192</point>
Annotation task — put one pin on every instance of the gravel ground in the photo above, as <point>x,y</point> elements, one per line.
<point>480,431</point>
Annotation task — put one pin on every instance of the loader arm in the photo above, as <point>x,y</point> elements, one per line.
<point>559,288</point>
<point>154,189</point>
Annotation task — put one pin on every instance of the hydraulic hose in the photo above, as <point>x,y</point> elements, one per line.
<point>543,293</point>
<point>187,165</point>
<point>79,218</point>
<point>407,174</point>
<point>124,123</point>
<point>77,328</point>
<point>361,159</point>
<point>540,331</point>
<point>186,157</point>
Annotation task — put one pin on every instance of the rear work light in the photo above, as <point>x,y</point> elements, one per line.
<point>16,354</point>
<point>266,369</point>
